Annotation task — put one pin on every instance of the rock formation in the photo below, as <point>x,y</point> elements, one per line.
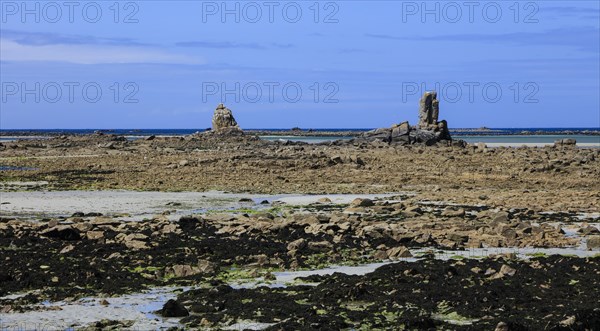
<point>565,142</point>
<point>429,110</point>
<point>223,120</point>
<point>429,131</point>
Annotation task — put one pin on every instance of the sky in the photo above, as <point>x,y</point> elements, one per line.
<point>308,64</point>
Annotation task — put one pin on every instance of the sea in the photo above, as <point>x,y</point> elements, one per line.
<point>493,137</point>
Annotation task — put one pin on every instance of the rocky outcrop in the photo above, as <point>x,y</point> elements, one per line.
<point>429,110</point>
<point>223,120</point>
<point>428,131</point>
<point>565,142</point>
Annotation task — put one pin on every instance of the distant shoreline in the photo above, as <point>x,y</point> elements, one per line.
<point>297,132</point>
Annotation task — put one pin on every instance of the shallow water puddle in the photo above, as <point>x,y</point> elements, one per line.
<point>521,253</point>
<point>138,307</point>
<point>285,278</point>
<point>247,325</point>
<point>135,206</point>
<point>571,230</point>
<point>300,200</point>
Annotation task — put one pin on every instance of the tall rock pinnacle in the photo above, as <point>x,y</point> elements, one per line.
<point>223,119</point>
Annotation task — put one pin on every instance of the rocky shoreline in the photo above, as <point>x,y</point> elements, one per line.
<point>89,254</point>
<point>453,236</point>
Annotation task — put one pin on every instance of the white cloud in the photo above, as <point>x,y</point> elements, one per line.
<point>92,54</point>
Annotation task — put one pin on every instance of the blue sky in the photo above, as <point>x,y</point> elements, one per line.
<point>336,64</point>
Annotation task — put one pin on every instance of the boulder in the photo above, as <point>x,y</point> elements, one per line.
<point>173,308</point>
<point>401,133</point>
<point>67,249</point>
<point>502,327</point>
<point>505,270</point>
<point>207,267</point>
<point>500,217</point>
<point>320,246</point>
<point>103,220</point>
<point>589,230</point>
<point>83,227</point>
<point>223,119</point>
<point>453,212</point>
<point>398,252</point>
<point>426,137</point>
<point>296,244</point>
<point>136,244</point>
<point>443,133</point>
<point>593,242</point>
<point>359,202</point>
<point>380,255</point>
<point>95,235</point>
<point>183,270</point>
<point>457,237</point>
<point>565,142</point>
<point>62,232</point>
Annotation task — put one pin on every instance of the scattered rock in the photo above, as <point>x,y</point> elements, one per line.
<point>67,249</point>
<point>593,242</point>
<point>569,321</point>
<point>502,327</point>
<point>182,270</point>
<point>297,244</point>
<point>207,267</point>
<point>83,227</point>
<point>500,217</point>
<point>589,230</point>
<point>62,232</point>
<point>320,246</point>
<point>505,270</point>
<point>360,202</point>
<point>398,252</point>
<point>95,235</point>
<point>453,212</point>
<point>173,308</point>
<point>336,159</point>
<point>104,221</point>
